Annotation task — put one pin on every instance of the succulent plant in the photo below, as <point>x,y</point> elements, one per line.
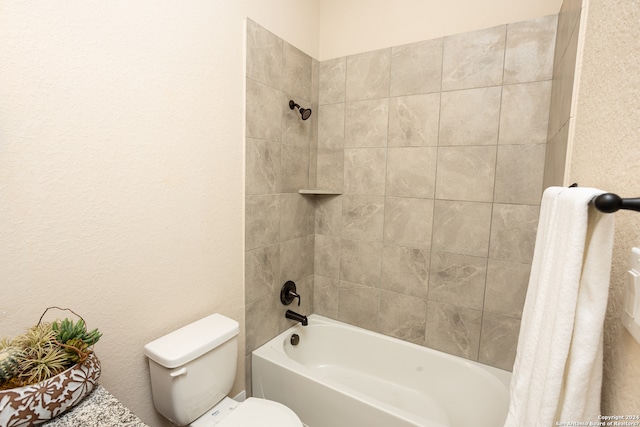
<point>67,331</point>
<point>37,336</point>
<point>9,357</point>
<point>39,363</point>
<point>43,351</point>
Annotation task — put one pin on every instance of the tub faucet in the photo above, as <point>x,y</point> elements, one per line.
<point>297,317</point>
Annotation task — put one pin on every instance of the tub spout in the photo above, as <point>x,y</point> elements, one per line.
<point>297,317</point>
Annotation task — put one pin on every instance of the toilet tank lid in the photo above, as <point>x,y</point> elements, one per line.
<point>192,341</point>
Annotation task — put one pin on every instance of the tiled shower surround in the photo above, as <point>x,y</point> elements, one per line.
<point>438,148</point>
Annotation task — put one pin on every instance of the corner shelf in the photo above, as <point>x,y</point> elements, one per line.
<point>319,192</point>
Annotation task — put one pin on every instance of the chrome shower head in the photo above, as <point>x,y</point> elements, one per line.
<point>304,112</point>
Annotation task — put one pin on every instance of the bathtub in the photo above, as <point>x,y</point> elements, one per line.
<point>344,376</point>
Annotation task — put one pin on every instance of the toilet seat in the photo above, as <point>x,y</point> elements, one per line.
<point>251,413</point>
<point>261,412</point>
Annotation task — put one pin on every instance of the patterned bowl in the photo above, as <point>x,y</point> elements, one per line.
<point>37,403</point>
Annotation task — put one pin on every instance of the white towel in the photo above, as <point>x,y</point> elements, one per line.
<point>557,374</point>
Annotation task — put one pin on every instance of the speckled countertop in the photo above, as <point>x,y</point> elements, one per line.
<point>99,409</point>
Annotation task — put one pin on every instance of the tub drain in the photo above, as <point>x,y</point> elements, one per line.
<point>295,339</point>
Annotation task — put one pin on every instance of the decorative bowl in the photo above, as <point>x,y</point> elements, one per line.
<point>37,403</point>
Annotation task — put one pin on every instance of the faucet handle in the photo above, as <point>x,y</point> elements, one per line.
<point>288,293</point>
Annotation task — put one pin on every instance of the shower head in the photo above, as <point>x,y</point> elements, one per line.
<point>304,112</point>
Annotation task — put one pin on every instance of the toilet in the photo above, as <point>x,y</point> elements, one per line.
<point>192,370</point>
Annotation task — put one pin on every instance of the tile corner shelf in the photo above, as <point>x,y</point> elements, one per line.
<point>319,191</point>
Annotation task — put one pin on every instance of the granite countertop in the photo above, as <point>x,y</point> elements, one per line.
<point>99,408</point>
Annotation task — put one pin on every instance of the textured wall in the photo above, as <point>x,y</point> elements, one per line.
<point>438,147</point>
<point>121,168</point>
<point>606,154</point>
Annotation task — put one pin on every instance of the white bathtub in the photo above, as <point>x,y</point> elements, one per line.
<point>344,376</point>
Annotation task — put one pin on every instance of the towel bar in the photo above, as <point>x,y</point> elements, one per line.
<point>609,202</point>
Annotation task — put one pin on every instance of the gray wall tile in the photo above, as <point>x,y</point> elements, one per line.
<point>513,232</point>
<point>315,83</point>
<point>330,167</point>
<point>462,227</point>
<point>529,51</point>
<point>333,77</point>
<point>562,86</point>
<point>466,173</point>
<point>326,293</point>
<point>362,171</point>
<point>262,221</point>
<point>296,70</point>
<point>411,172</point>
<point>519,174</point>
<point>452,329</point>
<point>470,117</point>
<point>296,259</point>
<point>555,157</point>
<point>405,270</point>
<point>408,222</point>
<point>262,321</point>
<point>524,117</point>
<point>331,126</point>
<point>264,56</point>
<point>362,217</point>
<point>358,305</point>
<point>368,75</point>
<point>263,112</point>
<point>499,341</point>
<point>474,59</point>
<point>328,217</point>
<point>262,272</point>
<point>296,216</point>
<point>507,284</point>
<point>402,316</point>
<point>416,68</point>
<point>457,279</point>
<point>360,262</point>
<point>568,22</point>
<point>414,120</point>
<point>564,66</point>
<point>295,168</point>
<point>263,171</point>
<point>327,256</point>
<point>366,123</point>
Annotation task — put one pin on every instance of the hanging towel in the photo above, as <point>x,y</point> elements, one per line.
<point>557,373</point>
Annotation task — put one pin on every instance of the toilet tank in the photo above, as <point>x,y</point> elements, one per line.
<point>193,368</point>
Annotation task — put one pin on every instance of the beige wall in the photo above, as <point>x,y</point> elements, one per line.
<point>356,26</point>
<point>606,154</point>
<point>121,167</point>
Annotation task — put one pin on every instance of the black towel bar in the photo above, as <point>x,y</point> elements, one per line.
<point>609,202</point>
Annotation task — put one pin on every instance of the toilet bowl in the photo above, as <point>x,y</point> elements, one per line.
<point>193,369</point>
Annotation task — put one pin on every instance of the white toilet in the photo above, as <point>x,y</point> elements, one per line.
<point>193,369</point>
